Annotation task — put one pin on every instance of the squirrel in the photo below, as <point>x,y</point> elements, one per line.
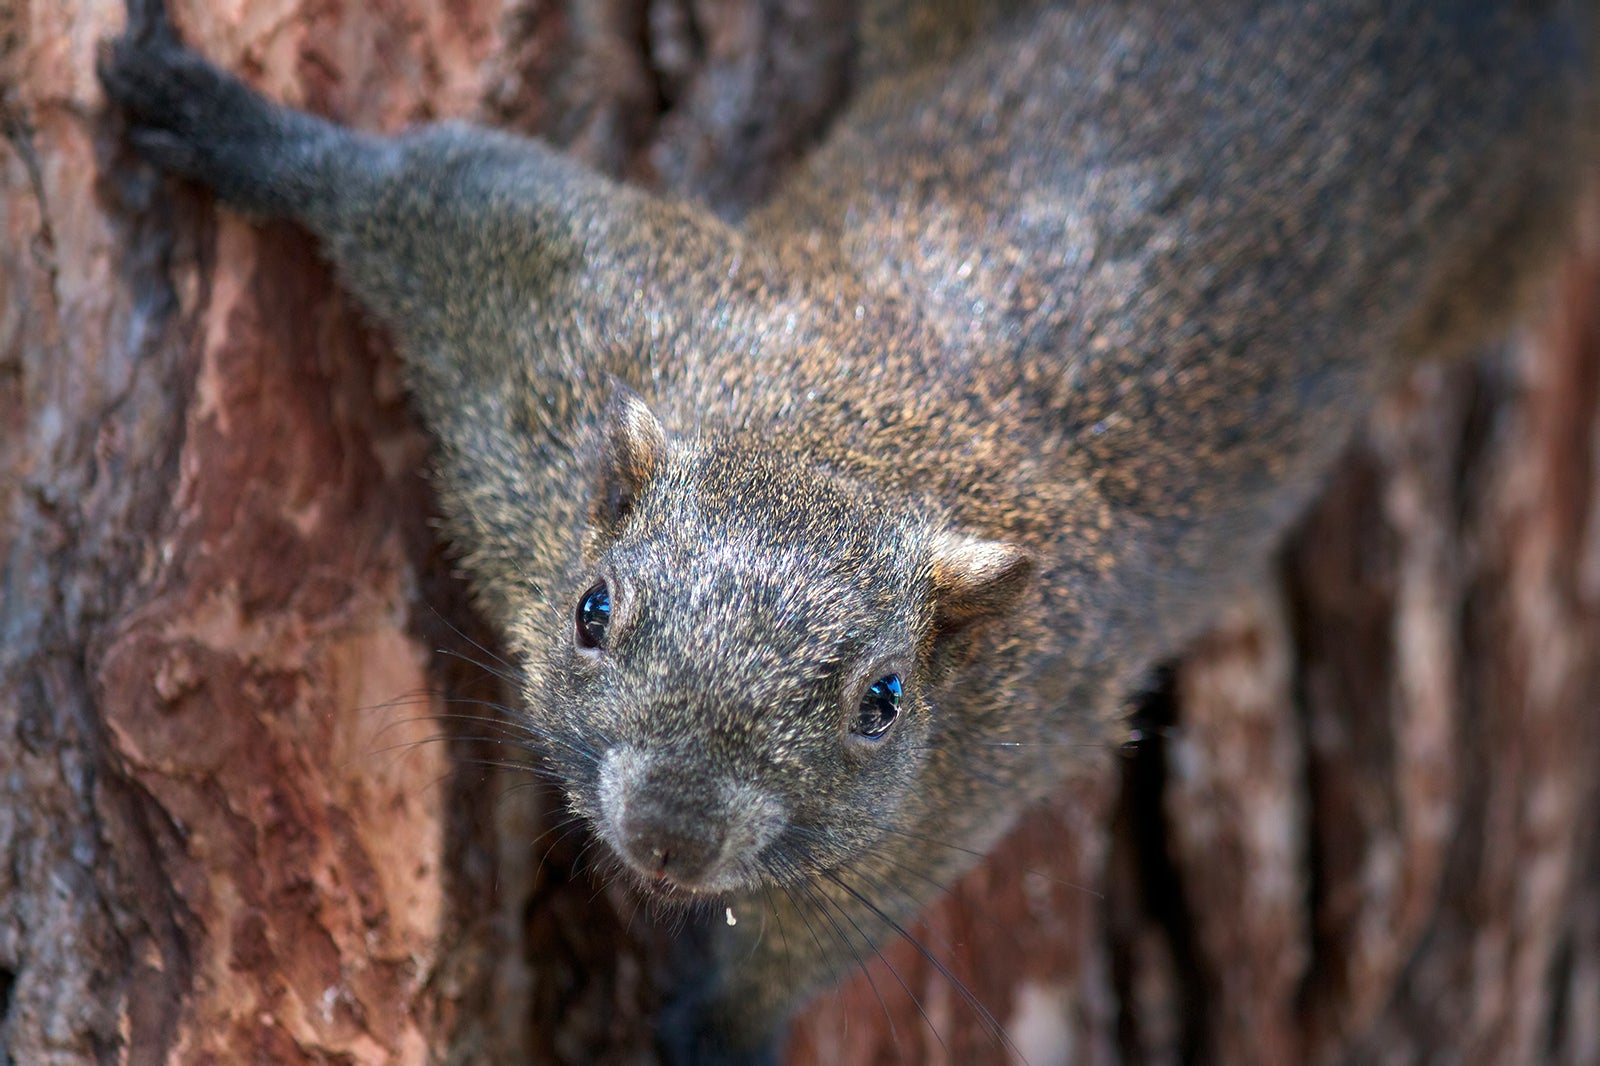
<point>831,540</point>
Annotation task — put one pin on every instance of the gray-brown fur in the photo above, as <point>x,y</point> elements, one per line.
<point>1029,362</point>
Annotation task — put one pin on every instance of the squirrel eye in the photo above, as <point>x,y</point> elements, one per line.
<point>879,706</point>
<point>594,615</point>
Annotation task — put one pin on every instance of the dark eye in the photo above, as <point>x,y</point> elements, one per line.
<point>594,615</point>
<point>879,706</point>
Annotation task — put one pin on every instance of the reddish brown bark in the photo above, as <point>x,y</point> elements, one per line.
<point>1362,828</point>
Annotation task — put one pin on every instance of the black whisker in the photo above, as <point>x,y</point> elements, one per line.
<point>515,679</point>
<point>990,1024</point>
<point>458,632</point>
<point>936,842</point>
<point>819,901</point>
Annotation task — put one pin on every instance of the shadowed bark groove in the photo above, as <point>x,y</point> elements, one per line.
<point>239,822</point>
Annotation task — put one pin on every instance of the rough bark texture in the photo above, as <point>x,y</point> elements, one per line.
<point>1361,827</point>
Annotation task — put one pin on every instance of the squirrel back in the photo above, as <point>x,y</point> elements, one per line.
<point>1139,228</point>
<point>824,537</point>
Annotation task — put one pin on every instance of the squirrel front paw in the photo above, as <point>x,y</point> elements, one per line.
<point>182,112</point>
<point>187,116</point>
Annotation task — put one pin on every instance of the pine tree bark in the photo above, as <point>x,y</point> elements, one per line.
<point>255,808</point>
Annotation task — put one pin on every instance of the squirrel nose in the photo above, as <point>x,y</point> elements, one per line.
<point>671,843</point>
<point>674,822</point>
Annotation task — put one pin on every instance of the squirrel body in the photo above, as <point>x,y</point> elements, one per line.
<point>827,540</point>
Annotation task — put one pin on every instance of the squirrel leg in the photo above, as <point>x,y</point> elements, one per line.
<point>192,118</point>
<point>468,244</point>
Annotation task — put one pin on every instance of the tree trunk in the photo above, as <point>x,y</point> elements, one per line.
<point>257,806</point>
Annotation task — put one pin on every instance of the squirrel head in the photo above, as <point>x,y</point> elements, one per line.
<point>746,676</point>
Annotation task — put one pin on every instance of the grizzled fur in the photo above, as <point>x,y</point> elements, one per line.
<point>1031,360</point>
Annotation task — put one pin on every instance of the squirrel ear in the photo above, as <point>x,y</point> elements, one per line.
<point>633,447</point>
<point>975,579</point>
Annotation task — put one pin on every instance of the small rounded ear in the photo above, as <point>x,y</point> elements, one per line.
<point>975,579</point>
<point>633,448</point>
